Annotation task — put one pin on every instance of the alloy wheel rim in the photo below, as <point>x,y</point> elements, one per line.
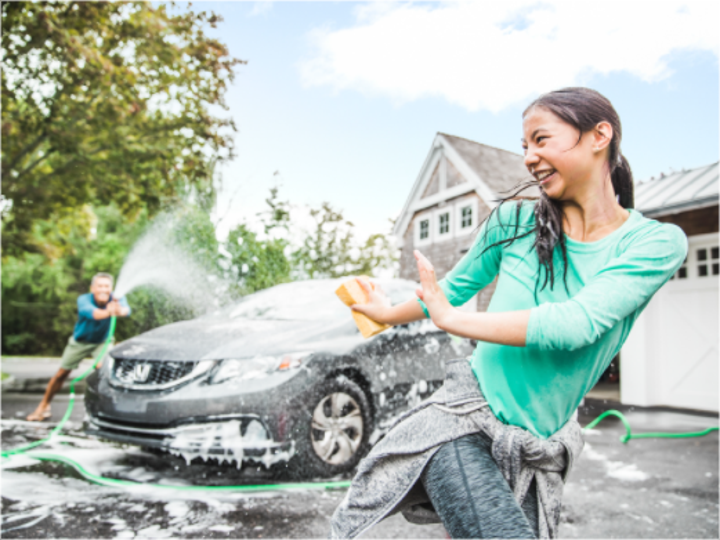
<point>337,428</point>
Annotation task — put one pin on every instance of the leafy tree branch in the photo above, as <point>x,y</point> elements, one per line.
<point>98,94</point>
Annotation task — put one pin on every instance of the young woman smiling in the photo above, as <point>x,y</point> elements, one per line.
<point>489,451</point>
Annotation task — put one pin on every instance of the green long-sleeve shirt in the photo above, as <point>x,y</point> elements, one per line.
<point>572,335</point>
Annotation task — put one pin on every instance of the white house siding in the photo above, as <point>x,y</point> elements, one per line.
<point>434,185</point>
<point>454,178</point>
<point>444,253</point>
<point>671,356</point>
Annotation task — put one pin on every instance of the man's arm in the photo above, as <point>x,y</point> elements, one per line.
<point>102,313</point>
<point>116,308</point>
<point>88,310</point>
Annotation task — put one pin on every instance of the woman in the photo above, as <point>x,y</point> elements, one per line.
<point>491,449</point>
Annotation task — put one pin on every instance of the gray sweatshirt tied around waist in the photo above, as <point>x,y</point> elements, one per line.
<point>388,478</point>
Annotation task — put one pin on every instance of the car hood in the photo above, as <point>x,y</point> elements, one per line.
<point>209,339</point>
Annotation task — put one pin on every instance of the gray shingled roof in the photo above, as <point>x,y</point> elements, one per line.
<point>499,169</point>
<point>678,191</point>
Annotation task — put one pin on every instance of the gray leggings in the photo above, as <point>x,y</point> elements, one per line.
<point>471,496</point>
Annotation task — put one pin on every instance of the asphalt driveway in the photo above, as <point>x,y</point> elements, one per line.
<point>648,488</point>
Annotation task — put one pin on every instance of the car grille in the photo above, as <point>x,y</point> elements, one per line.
<point>146,374</point>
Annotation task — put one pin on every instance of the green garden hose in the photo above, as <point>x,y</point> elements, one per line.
<point>101,480</point>
<point>630,435</point>
<point>267,487</point>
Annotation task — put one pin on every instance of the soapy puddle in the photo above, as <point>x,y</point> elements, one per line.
<point>53,495</point>
<point>33,499</point>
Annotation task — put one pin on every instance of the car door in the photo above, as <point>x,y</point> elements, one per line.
<point>409,364</point>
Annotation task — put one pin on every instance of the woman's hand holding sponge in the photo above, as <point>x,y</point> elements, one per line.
<point>372,310</point>
<point>367,303</point>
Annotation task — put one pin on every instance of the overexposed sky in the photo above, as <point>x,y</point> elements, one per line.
<point>340,101</point>
<point>492,55</point>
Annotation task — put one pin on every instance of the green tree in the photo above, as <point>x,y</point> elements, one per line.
<point>273,250</point>
<point>256,264</point>
<point>377,254</point>
<point>331,249</point>
<point>106,102</point>
<point>325,251</point>
<point>258,261</point>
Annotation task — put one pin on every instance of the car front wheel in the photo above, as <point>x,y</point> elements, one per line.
<point>333,437</point>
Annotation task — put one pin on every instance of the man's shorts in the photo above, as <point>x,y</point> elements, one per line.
<point>76,352</point>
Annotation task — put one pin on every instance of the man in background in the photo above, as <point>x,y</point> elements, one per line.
<point>91,330</point>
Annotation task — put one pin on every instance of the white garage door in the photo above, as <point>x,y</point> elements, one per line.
<point>671,357</point>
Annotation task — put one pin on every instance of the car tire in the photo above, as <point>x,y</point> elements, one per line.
<point>332,435</point>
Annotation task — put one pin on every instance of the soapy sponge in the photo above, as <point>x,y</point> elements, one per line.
<point>350,292</point>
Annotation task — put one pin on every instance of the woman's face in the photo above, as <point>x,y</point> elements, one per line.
<point>553,155</point>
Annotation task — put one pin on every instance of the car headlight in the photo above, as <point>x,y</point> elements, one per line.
<point>253,368</point>
<point>108,365</point>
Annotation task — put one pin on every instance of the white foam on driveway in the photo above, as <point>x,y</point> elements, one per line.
<point>626,472</point>
<point>38,496</point>
<point>222,528</point>
<point>101,458</point>
<point>177,510</point>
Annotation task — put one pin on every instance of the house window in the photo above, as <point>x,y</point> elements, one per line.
<point>708,261</point>
<point>444,223</point>
<point>466,220</point>
<point>466,216</point>
<point>424,229</point>
<point>682,271</point>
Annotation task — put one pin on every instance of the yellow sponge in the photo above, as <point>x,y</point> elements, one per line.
<point>350,292</point>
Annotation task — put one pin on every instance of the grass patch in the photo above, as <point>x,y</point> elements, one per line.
<point>3,375</point>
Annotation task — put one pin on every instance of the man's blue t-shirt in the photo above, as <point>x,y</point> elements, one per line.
<point>87,329</point>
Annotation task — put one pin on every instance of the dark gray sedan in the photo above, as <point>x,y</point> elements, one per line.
<point>282,378</point>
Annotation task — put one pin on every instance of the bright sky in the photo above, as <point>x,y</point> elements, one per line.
<point>340,101</point>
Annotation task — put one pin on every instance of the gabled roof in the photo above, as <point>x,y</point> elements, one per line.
<point>499,169</point>
<point>490,172</point>
<point>678,191</point>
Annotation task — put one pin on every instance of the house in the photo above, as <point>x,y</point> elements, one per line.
<point>458,185</point>
<point>671,355</point>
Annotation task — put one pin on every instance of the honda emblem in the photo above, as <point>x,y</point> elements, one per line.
<point>141,372</point>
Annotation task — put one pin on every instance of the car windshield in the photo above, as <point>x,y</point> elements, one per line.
<point>310,300</point>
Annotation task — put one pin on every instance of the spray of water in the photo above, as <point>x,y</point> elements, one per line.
<point>157,261</point>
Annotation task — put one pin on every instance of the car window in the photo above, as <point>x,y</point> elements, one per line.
<point>308,301</point>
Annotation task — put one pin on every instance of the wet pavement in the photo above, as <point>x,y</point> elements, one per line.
<point>648,488</point>
<point>32,373</point>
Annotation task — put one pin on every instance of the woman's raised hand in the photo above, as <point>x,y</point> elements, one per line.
<point>430,291</point>
<point>378,303</point>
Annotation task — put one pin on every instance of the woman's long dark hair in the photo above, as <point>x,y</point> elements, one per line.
<point>583,109</point>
